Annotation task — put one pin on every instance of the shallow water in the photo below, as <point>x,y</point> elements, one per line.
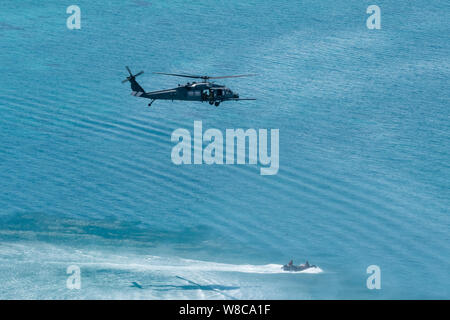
<point>87,177</point>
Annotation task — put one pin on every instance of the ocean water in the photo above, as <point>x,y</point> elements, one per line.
<point>87,179</point>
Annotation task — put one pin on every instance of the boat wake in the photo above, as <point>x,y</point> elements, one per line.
<point>155,264</point>
<point>134,275</point>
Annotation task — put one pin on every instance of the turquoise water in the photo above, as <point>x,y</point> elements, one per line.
<point>87,179</point>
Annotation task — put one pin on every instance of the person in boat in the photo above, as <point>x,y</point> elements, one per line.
<point>290,263</point>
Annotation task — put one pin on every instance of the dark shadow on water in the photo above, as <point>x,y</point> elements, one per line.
<point>6,26</point>
<point>167,287</point>
<point>211,287</point>
<point>136,285</point>
<point>107,231</point>
<point>191,286</point>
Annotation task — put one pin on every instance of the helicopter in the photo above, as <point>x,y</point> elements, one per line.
<point>204,90</point>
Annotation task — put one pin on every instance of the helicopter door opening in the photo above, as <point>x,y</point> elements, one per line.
<point>205,95</point>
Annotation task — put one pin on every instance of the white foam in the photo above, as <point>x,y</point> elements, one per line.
<point>186,265</point>
<point>123,268</point>
<point>56,255</point>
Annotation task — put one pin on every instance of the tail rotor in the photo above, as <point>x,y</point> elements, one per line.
<point>137,90</point>
<point>131,77</point>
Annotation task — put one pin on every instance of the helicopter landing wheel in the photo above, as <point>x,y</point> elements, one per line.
<point>211,102</point>
<point>217,103</point>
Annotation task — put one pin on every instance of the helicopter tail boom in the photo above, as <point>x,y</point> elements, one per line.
<point>136,88</point>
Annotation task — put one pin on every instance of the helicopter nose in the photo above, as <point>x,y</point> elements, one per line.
<point>236,96</point>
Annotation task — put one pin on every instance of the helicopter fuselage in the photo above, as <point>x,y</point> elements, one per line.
<point>195,91</point>
<point>202,91</point>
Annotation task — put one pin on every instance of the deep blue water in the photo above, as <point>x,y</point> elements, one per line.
<point>87,179</point>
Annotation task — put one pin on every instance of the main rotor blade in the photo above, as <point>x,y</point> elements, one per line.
<point>237,76</point>
<point>204,77</point>
<point>180,75</point>
<point>139,73</point>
